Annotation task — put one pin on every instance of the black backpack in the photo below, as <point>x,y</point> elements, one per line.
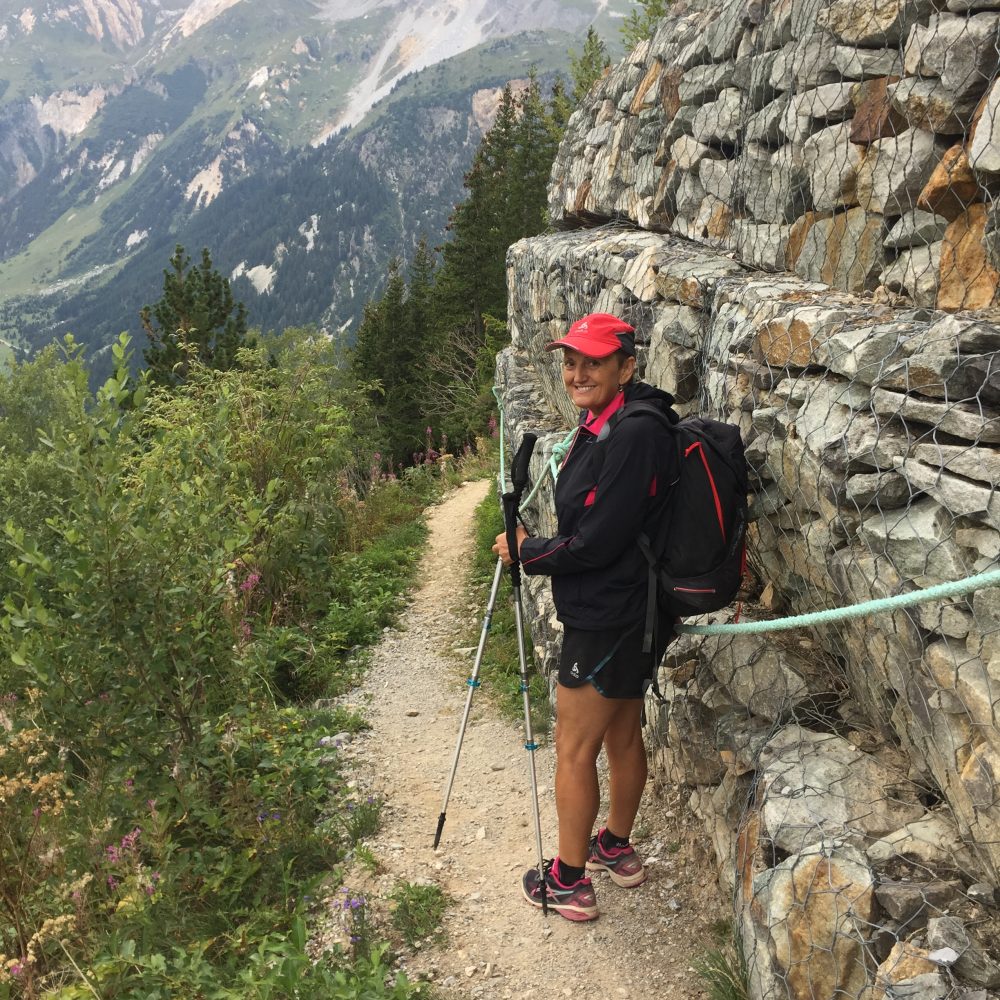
<point>697,555</point>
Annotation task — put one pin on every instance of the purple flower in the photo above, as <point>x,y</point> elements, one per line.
<point>250,582</point>
<point>17,969</point>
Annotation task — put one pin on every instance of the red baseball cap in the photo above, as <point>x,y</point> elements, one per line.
<point>597,335</point>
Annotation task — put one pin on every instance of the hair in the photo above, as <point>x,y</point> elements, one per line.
<point>622,357</point>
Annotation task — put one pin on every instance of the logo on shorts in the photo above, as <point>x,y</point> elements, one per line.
<point>574,671</point>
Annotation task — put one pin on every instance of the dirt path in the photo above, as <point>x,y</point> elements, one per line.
<point>496,945</point>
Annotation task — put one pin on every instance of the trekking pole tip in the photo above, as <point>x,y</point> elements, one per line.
<point>440,827</point>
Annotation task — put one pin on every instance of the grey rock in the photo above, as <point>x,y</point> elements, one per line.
<point>929,104</point>
<point>962,420</point>
<point>716,176</point>
<point>767,678</point>
<point>882,490</point>
<point>773,187</point>
<point>688,152</point>
<point>718,122</point>
<point>918,540</point>
<point>947,619</point>
<point>816,785</point>
<point>961,50</point>
<point>761,244</point>
<point>916,274</point>
<point>915,228</point>
<point>862,23</point>
<point>752,75</point>
<point>912,904</point>
<point>811,110</point>
<point>706,83</point>
<point>895,170</point>
<point>927,986</point>
<point>845,250</point>
<point>805,64</point>
<point>766,125</point>
<point>973,963</point>
<point>981,464</point>
<point>864,64</point>
<point>984,150</point>
<point>982,892</point>
<point>958,494</point>
<point>832,161</point>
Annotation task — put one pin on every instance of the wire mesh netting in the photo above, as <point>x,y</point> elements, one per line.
<point>793,203</point>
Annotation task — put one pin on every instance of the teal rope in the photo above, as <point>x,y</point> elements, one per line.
<point>865,608</point>
<point>555,459</point>
<point>496,396</point>
<point>989,579</point>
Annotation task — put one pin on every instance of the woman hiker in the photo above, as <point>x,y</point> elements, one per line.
<point>599,584</point>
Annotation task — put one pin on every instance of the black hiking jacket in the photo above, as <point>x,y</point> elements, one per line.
<point>599,575</point>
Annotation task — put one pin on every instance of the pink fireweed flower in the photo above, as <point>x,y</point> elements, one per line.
<point>250,582</point>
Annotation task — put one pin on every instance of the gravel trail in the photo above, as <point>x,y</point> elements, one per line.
<point>495,945</point>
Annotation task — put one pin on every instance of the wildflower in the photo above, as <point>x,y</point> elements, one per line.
<point>250,582</point>
<point>112,882</point>
<point>245,630</point>
<point>129,784</point>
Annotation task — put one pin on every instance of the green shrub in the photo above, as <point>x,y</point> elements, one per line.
<point>178,571</point>
<point>417,911</point>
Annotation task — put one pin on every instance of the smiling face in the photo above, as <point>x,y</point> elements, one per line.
<point>592,383</point>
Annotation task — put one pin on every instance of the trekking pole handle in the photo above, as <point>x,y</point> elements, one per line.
<point>519,467</point>
<point>512,500</point>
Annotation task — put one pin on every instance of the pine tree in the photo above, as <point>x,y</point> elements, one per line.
<point>591,64</point>
<point>640,25</point>
<point>196,319</point>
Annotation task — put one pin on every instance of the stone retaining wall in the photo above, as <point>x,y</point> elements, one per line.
<point>851,141</point>
<point>847,776</point>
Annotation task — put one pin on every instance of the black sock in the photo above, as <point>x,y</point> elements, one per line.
<point>609,840</point>
<point>567,874</point>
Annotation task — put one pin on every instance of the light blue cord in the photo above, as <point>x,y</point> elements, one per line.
<point>989,579</point>
<point>935,593</point>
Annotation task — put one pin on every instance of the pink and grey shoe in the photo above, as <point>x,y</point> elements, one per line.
<point>621,863</point>
<point>574,902</point>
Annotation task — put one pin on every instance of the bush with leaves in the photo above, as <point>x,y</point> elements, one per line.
<point>170,806</point>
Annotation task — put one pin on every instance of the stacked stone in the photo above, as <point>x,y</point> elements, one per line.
<point>871,433</point>
<point>854,142</point>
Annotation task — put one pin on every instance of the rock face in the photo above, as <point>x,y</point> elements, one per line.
<point>872,436</point>
<point>816,264</point>
<point>886,105</point>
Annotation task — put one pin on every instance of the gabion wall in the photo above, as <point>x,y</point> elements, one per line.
<point>847,776</point>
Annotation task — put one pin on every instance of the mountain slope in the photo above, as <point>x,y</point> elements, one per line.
<point>127,126</point>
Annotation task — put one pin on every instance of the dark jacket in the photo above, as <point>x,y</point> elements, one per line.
<point>599,576</point>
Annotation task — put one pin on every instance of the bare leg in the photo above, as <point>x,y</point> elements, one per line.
<point>583,718</point>
<point>626,765</point>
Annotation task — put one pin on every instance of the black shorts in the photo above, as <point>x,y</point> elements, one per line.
<point>610,659</point>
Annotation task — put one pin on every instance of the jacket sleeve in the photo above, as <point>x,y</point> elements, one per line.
<point>613,521</point>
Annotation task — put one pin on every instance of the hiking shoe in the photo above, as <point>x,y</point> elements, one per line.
<point>574,902</point>
<point>621,863</point>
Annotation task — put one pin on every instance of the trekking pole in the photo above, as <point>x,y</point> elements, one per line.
<point>511,503</point>
<point>519,477</point>
<point>473,683</point>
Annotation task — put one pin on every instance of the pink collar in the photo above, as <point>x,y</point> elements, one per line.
<point>596,424</point>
